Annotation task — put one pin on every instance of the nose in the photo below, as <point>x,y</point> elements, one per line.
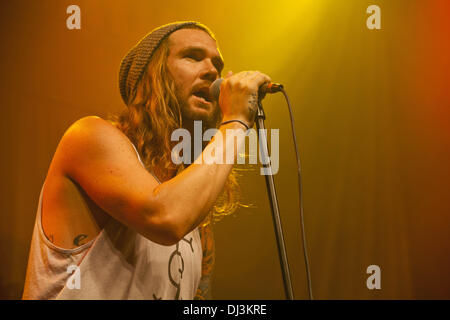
<point>209,71</point>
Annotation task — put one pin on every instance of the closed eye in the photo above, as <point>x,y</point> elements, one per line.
<point>198,54</point>
<point>194,56</point>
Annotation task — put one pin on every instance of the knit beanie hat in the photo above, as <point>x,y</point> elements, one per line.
<point>136,60</point>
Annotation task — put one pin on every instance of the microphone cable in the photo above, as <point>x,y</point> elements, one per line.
<point>273,88</point>
<point>300,191</point>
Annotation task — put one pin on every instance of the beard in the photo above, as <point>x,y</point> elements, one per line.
<point>209,118</point>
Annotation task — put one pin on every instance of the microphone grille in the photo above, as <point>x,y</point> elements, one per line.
<point>214,89</point>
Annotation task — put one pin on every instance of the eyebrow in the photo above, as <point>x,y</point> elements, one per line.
<point>217,60</point>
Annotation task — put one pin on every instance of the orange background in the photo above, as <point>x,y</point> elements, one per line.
<point>372,116</point>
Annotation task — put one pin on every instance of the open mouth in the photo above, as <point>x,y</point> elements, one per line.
<point>203,94</point>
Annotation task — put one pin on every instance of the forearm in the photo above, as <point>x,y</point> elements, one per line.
<point>188,197</point>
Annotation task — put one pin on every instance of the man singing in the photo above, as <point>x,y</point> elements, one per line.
<point>117,218</point>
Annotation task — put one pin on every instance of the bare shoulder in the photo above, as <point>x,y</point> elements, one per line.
<point>86,150</point>
<point>96,169</point>
<point>92,128</point>
<point>92,138</point>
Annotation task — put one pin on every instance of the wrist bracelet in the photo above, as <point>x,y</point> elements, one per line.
<point>241,122</point>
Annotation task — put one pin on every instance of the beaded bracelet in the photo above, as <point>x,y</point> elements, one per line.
<point>241,122</point>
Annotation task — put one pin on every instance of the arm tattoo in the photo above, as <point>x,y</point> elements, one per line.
<point>253,105</point>
<point>207,237</point>
<point>79,238</point>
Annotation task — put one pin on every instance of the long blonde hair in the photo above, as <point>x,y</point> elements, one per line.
<point>152,115</point>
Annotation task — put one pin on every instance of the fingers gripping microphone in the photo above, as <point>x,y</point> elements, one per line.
<point>214,90</point>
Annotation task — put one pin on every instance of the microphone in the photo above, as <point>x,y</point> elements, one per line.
<point>214,89</point>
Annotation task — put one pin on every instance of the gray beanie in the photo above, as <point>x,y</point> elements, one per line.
<point>135,62</point>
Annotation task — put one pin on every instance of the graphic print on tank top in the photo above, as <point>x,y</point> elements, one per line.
<point>176,274</point>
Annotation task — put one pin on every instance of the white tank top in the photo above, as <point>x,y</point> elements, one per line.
<point>118,264</point>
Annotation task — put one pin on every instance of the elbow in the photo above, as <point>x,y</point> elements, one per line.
<point>170,233</point>
<point>164,228</point>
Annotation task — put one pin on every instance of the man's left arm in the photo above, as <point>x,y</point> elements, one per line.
<point>204,288</point>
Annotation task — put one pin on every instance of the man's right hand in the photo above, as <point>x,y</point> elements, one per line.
<point>238,98</point>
